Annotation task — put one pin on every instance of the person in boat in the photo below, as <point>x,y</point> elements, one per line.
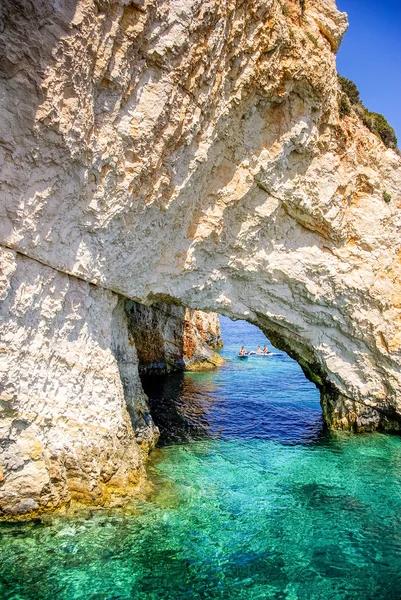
<point>258,351</point>
<point>266,350</point>
<point>243,352</point>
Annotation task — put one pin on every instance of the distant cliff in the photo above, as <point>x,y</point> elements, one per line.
<point>180,153</point>
<point>172,338</point>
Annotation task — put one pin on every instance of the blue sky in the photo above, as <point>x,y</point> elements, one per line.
<point>370,55</point>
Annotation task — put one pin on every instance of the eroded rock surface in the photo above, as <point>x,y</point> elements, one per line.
<point>190,152</point>
<point>67,375</point>
<point>207,326</point>
<point>201,336</point>
<point>172,338</point>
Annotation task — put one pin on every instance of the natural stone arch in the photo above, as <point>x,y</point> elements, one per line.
<point>153,153</point>
<point>341,410</point>
<point>199,154</point>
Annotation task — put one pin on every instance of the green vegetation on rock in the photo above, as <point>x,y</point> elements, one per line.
<point>312,38</point>
<point>349,88</point>
<point>386,197</point>
<point>374,121</point>
<point>344,106</point>
<point>379,125</point>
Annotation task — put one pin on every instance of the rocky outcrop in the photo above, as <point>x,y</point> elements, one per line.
<point>172,338</point>
<point>200,337</point>
<point>189,153</point>
<point>75,425</point>
<point>207,326</point>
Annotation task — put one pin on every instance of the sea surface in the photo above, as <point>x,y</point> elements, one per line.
<point>251,499</point>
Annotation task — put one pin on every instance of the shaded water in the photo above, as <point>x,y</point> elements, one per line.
<point>257,398</point>
<point>253,500</point>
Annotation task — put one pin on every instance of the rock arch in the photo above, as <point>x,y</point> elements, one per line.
<point>155,153</point>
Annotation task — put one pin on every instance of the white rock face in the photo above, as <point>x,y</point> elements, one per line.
<point>193,152</point>
<point>65,430</point>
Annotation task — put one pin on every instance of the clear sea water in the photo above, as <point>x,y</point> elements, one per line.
<point>252,499</point>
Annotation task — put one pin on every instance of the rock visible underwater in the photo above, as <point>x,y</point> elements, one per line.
<point>187,153</point>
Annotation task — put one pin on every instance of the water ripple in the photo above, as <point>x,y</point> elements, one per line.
<point>251,500</point>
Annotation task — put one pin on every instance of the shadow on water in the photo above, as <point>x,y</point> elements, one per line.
<point>187,410</point>
<point>179,407</point>
<point>257,399</point>
<point>249,498</point>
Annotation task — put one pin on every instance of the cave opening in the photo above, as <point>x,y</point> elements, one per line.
<point>263,397</point>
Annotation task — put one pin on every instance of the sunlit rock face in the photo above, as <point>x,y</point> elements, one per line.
<point>200,337</point>
<point>206,326</point>
<point>172,338</point>
<point>188,152</point>
<point>75,426</point>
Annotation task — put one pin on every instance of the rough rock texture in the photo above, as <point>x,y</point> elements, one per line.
<point>207,326</point>
<point>191,152</point>
<point>201,335</point>
<point>172,338</point>
<point>66,434</point>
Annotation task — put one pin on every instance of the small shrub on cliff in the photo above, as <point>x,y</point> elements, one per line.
<point>379,125</point>
<point>386,197</point>
<point>312,38</point>
<point>349,88</point>
<point>302,4</point>
<point>374,121</point>
<point>344,106</point>
<point>284,9</point>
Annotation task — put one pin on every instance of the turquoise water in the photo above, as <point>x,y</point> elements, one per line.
<point>252,500</point>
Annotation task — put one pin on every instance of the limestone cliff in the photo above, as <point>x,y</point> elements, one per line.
<point>201,335</point>
<point>185,152</point>
<point>173,338</point>
<point>75,425</point>
<point>207,326</point>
